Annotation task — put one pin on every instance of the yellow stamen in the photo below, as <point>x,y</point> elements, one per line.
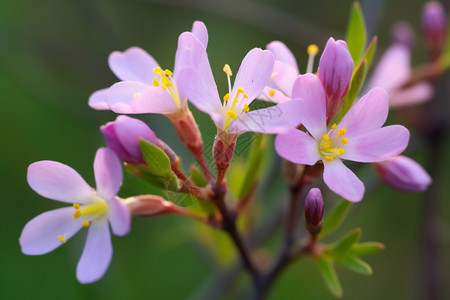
<point>334,126</point>
<point>226,97</point>
<point>85,223</point>
<point>76,205</point>
<point>231,114</point>
<point>240,90</point>
<point>157,70</point>
<point>326,137</point>
<point>62,239</point>
<point>168,72</point>
<point>166,81</point>
<point>312,49</point>
<point>246,108</point>
<point>245,96</point>
<point>344,141</point>
<point>272,76</point>
<point>341,151</point>
<point>328,158</point>
<point>155,81</point>
<point>341,132</point>
<point>227,70</point>
<point>99,207</point>
<point>77,214</point>
<point>271,92</point>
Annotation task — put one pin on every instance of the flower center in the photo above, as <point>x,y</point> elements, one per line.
<point>167,83</point>
<point>233,111</point>
<point>330,146</point>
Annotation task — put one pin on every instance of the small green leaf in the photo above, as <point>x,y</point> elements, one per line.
<point>355,264</point>
<point>198,177</point>
<point>156,159</point>
<point>356,33</point>
<point>330,277</point>
<point>345,243</point>
<point>335,218</point>
<point>368,248</point>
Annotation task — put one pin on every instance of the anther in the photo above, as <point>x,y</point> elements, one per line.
<point>155,81</point>
<point>271,92</point>
<point>341,151</point>
<point>328,158</point>
<point>62,239</point>
<point>240,90</point>
<point>246,108</point>
<point>312,49</point>
<point>77,214</point>
<point>273,75</point>
<point>76,205</point>
<point>231,114</point>
<point>344,141</point>
<point>157,70</point>
<point>85,223</point>
<point>334,126</point>
<point>326,137</point>
<point>226,97</point>
<point>168,72</point>
<point>245,96</point>
<point>227,70</point>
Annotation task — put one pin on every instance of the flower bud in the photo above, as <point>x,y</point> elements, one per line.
<point>314,211</point>
<point>404,174</point>
<point>402,33</point>
<point>149,205</point>
<point>434,27</point>
<point>335,72</point>
<point>122,136</point>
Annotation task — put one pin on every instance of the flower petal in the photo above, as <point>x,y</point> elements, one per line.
<point>155,100</point>
<point>119,217</point>
<point>377,145</point>
<point>122,94</point>
<point>419,93</point>
<point>366,115</point>
<point>254,73</point>
<point>108,173</point>
<point>58,181</point>
<point>297,147</point>
<point>284,77</point>
<point>282,53</point>
<point>200,32</point>
<point>342,180</point>
<point>277,95</point>
<point>134,64</point>
<point>309,89</point>
<point>97,252</point>
<point>99,100</point>
<point>275,119</point>
<point>40,235</point>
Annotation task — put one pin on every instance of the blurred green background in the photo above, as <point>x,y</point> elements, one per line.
<point>53,55</point>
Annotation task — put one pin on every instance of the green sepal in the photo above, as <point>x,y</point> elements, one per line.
<point>370,52</point>
<point>356,33</point>
<point>166,183</point>
<point>335,218</point>
<point>198,177</point>
<point>330,277</point>
<point>355,264</point>
<point>367,248</point>
<point>156,159</point>
<point>342,246</point>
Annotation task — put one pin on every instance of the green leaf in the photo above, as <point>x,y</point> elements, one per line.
<point>355,264</point>
<point>370,52</point>
<point>156,159</point>
<point>368,248</point>
<point>335,218</point>
<point>330,277</point>
<point>356,33</point>
<point>198,177</point>
<point>358,77</point>
<point>345,243</point>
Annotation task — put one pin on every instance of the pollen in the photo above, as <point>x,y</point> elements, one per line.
<point>344,141</point>
<point>240,90</point>
<point>85,223</point>
<point>246,108</point>
<point>231,114</point>
<point>341,151</point>
<point>312,49</point>
<point>227,70</point>
<point>271,92</point>
<point>326,137</point>
<point>76,205</point>
<point>334,126</point>
<point>157,70</point>
<point>245,96</point>
<point>62,239</point>
<point>328,158</point>
<point>155,81</point>
<point>168,72</point>
<point>166,82</point>
<point>77,214</point>
<point>226,97</point>
<point>341,132</point>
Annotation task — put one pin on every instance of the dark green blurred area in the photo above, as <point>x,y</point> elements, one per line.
<point>53,55</point>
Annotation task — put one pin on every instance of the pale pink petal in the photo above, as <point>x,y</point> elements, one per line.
<point>281,52</point>
<point>309,89</point>
<point>57,181</point>
<point>108,173</point>
<point>277,95</point>
<point>204,96</point>
<point>342,180</point>
<point>366,115</point>
<point>99,100</point>
<point>200,32</point>
<point>134,64</point>
<point>275,119</point>
<point>40,235</point>
<point>297,147</point>
<point>97,252</point>
<point>254,73</point>
<point>393,69</point>
<point>284,77</point>
<point>122,94</point>
<point>155,100</point>
<point>415,94</point>
<point>377,145</point>
<point>119,217</point>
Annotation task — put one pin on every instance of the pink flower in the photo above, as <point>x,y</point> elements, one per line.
<point>145,86</point>
<point>434,26</point>
<point>91,208</point>
<point>403,173</point>
<point>358,137</point>
<point>392,72</point>
<point>233,114</point>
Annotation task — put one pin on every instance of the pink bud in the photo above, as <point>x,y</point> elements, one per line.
<point>404,174</point>
<point>149,205</point>
<point>335,72</point>
<point>122,136</point>
<point>434,26</point>
<point>314,209</point>
<point>402,33</point>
